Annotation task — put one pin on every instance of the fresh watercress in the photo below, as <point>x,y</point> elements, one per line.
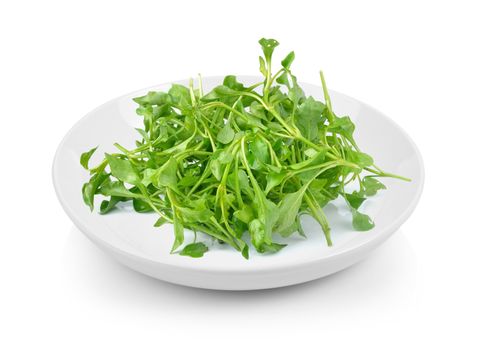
<point>239,163</point>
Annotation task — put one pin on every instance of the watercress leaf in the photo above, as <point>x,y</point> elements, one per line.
<point>86,156</point>
<point>216,169</point>
<point>268,46</point>
<point>371,186</point>
<point>194,250</point>
<point>256,230</point>
<point>223,90</point>
<point>180,95</point>
<point>245,251</point>
<point>153,98</point>
<point>258,110</point>
<point>289,209</point>
<point>288,230</point>
<point>354,199</point>
<point>179,232</point>
<point>117,188</point>
<point>272,248</point>
<point>283,79</point>
<point>361,222</point>
<point>195,215</point>
<point>141,206</point>
<point>245,214</point>
<point>188,181</point>
<point>343,126</point>
<point>226,134</point>
<point>107,206</point>
<point>295,93</point>
<point>231,82</point>
<point>122,169</point>
<point>274,179</point>
<point>90,188</point>
<point>160,222</point>
<point>287,61</point>
<point>309,118</point>
<point>243,180</point>
<point>147,175</point>
<point>360,158</point>
<point>259,150</point>
<point>165,176</point>
<point>268,213</point>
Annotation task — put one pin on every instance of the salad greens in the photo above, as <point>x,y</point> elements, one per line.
<point>239,161</point>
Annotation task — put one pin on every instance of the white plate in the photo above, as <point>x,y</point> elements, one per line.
<point>132,240</point>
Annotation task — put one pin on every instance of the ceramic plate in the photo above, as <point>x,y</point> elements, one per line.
<point>131,239</point>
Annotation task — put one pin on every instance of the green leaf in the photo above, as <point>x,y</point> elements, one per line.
<point>153,98</point>
<point>257,234</point>
<point>117,189</point>
<point>86,156</point>
<point>243,180</point>
<point>268,214</point>
<point>271,248</point>
<point>226,134</point>
<point>361,222</point>
<point>289,209</point>
<point>180,95</point>
<point>295,227</point>
<point>196,215</point>
<point>165,176</point>
<point>274,179</point>
<point>107,206</point>
<point>231,82</point>
<point>287,61</point>
<point>141,206</point>
<point>371,186</point>
<point>360,158</point>
<point>188,181</point>
<point>295,93</point>
<point>160,222</point>
<point>309,118</point>
<point>147,176</point>
<point>195,250</point>
<point>354,199</point>
<point>223,90</point>
<point>245,214</point>
<point>268,46</point>
<point>179,232</point>
<point>90,188</point>
<point>245,251</point>
<point>258,153</point>
<point>283,79</point>
<point>123,170</point>
<point>343,126</point>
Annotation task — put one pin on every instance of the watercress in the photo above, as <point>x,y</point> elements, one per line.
<point>240,163</point>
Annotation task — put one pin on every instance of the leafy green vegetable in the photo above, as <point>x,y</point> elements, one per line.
<point>86,156</point>
<point>195,250</point>
<point>362,222</point>
<point>238,163</point>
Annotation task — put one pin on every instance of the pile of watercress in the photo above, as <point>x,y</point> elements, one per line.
<point>238,159</point>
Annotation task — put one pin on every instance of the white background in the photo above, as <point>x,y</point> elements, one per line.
<point>419,62</point>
